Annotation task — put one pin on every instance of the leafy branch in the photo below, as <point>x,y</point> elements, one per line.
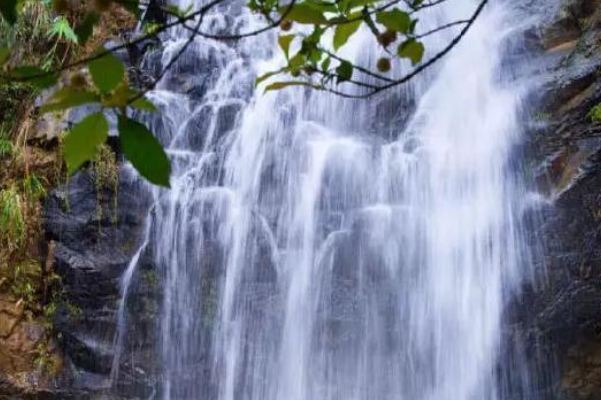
<point>311,60</point>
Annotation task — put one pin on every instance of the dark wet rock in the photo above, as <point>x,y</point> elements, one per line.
<point>155,12</point>
<point>209,124</point>
<point>559,318</point>
<point>95,239</point>
<point>227,117</point>
<point>392,114</point>
<point>195,71</point>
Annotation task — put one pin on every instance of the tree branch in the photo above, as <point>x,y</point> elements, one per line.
<point>425,65</point>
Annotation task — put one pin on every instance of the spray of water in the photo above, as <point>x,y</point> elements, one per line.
<point>304,255</point>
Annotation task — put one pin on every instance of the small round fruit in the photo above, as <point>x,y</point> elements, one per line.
<point>79,80</point>
<point>383,65</point>
<point>387,38</point>
<point>102,5</point>
<point>60,6</point>
<point>286,25</point>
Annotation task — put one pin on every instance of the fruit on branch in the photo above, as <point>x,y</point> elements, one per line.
<point>79,80</point>
<point>383,64</point>
<point>387,38</point>
<point>286,25</point>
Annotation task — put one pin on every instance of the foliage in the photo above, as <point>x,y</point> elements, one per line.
<point>7,148</point>
<point>312,59</point>
<point>12,97</point>
<point>595,113</point>
<point>106,175</point>
<point>43,359</point>
<point>33,188</point>
<point>61,30</point>
<point>22,286</point>
<point>16,202</point>
<point>12,224</point>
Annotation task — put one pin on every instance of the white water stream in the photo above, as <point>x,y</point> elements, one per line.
<point>312,248</point>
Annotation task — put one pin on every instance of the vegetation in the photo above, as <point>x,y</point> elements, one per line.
<point>595,113</point>
<point>313,61</point>
<point>106,176</point>
<point>31,149</point>
<point>12,223</point>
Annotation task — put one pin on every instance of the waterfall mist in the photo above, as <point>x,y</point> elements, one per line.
<point>317,248</point>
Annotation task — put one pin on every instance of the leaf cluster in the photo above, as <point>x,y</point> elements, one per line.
<point>312,59</point>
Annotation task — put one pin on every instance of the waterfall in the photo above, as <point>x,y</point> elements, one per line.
<point>317,248</point>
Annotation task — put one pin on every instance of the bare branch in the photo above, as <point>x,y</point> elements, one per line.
<point>442,28</point>
<point>425,65</point>
<point>357,67</point>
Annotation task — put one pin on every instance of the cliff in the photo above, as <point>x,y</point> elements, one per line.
<point>556,317</point>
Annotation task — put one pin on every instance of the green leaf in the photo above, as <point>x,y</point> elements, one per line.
<point>8,9</point>
<point>321,6</point>
<point>68,98</point>
<point>411,49</point>
<point>343,32</point>
<point>282,85</point>
<point>344,71</point>
<point>107,72</point>
<point>413,25</point>
<point>39,78</point>
<point>304,14</point>
<point>86,28</point>
<point>595,113</point>
<point>395,20</point>
<point>325,64</point>
<point>83,141</point>
<point>4,55</point>
<point>297,61</point>
<point>284,42</point>
<point>144,151</point>
<point>315,56</point>
<point>144,105</point>
<point>120,97</point>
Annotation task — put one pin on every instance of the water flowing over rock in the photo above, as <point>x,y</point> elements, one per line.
<point>438,242</point>
<point>295,257</point>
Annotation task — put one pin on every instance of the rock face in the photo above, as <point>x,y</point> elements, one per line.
<point>559,317</point>
<point>96,235</point>
<point>22,339</point>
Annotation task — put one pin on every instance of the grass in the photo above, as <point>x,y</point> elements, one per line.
<point>12,222</point>
<point>6,148</point>
<point>33,188</point>
<point>106,176</point>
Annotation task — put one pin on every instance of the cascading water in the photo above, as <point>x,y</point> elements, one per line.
<point>315,248</point>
